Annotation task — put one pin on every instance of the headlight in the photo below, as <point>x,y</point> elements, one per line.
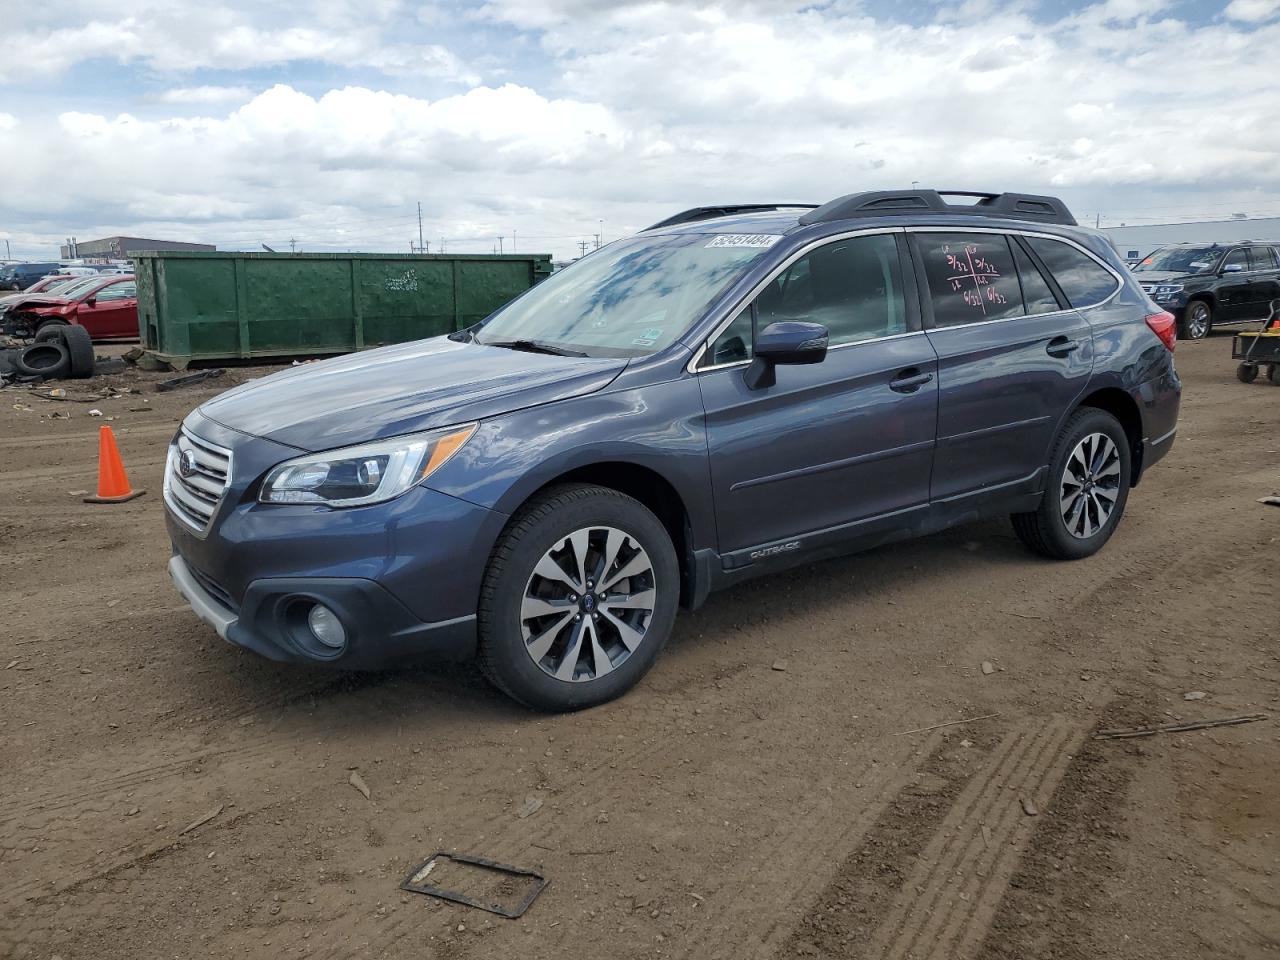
<point>370,473</point>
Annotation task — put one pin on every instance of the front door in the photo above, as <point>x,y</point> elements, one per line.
<point>832,445</point>
<point>1235,291</point>
<point>113,313</point>
<point>1012,359</point>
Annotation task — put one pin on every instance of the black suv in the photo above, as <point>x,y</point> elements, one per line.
<point>1205,284</point>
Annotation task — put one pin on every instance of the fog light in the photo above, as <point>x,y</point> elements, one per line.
<point>326,627</point>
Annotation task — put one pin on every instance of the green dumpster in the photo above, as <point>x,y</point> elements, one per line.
<point>223,306</point>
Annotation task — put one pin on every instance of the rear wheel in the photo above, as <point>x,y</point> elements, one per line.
<point>1274,374</point>
<point>1247,372</point>
<point>579,599</point>
<point>1197,321</point>
<point>1089,476</point>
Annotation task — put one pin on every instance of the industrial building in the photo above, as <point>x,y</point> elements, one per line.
<point>117,247</point>
<point>1134,243</point>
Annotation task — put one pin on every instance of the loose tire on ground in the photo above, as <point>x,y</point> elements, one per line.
<point>80,348</point>
<point>48,359</point>
<point>532,610</point>
<point>50,330</point>
<point>1247,372</point>
<point>1046,529</point>
<point>1196,322</point>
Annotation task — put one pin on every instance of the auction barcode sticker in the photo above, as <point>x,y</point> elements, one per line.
<point>762,240</point>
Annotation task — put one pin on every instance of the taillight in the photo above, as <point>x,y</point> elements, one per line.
<point>1165,327</point>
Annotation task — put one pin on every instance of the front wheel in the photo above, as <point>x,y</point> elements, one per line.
<point>1247,372</point>
<point>1089,477</point>
<point>579,598</point>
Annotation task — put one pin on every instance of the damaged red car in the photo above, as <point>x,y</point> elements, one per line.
<point>106,307</point>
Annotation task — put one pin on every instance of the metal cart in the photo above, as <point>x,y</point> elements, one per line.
<point>1259,348</point>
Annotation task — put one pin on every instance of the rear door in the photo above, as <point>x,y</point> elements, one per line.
<point>1266,280</point>
<point>804,462</point>
<point>1012,354</point>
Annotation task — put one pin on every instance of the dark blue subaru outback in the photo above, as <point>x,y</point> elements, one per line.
<point>732,391</point>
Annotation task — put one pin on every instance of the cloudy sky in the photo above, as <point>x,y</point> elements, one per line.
<point>239,122</point>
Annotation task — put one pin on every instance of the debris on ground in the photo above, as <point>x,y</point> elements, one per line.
<point>1029,807</point>
<point>498,877</point>
<point>1177,727</point>
<point>201,821</point>
<point>988,667</point>
<point>949,723</point>
<point>1194,695</point>
<point>779,665</point>
<point>531,806</point>
<point>357,781</point>
<point>188,379</point>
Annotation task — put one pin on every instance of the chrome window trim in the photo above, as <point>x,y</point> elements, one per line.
<point>732,314</point>
<point>693,368</point>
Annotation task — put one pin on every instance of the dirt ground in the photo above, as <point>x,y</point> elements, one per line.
<point>163,794</point>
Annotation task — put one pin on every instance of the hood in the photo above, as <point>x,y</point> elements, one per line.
<point>41,300</point>
<point>402,389</point>
<point>1167,276</point>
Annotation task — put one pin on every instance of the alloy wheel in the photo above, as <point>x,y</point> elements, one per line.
<point>1197,320</point>
<point>1090,485</point>
<point>588,604</point>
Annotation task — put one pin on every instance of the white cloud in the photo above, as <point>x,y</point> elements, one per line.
<point>8,121</point>
<point>643,106</point>
<point>206,94</point>
<point>1252,11</point>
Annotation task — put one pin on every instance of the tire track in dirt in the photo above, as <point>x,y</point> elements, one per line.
<point>950,897</point>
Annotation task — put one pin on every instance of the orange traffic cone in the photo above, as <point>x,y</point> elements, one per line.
<point>113,485</point>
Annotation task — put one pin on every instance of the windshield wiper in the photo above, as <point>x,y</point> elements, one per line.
<point>533,346</point>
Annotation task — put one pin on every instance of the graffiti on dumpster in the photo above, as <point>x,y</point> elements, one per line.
<point>407,282</point>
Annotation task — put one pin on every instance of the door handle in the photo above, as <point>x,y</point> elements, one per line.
<point>909,380</point>
<point>1062,347</point>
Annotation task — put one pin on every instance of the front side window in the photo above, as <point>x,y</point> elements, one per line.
<point>1085,282</point>
<point>629,299</point>
<point>971,277</point>
<point>1236,261</point>
<point>852,287</point>
<point>117,291</point>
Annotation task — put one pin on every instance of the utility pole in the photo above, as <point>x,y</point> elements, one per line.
<point>582,248</point>
<point>7,254</point>
<point>500,250</point>
<point>597,236</point>
<point>442,244</point>
<point>293,245</point>
<point>421,245</point>
<point>600,235</point>
<point>513,241</point>
<point>1097,221</point>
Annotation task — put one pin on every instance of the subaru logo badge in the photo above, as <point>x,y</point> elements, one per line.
<point>186,463</point>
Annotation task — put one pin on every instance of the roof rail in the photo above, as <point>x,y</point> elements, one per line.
<point>884,203</point>
<point>707,213</point>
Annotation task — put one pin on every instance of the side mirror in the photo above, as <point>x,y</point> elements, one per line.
<point>1233,268</point>
<point>786,341</point>
<point>91,302</point>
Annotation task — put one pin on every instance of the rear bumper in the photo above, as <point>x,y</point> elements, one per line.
<point>1154,450</point>
<point>271,621</point>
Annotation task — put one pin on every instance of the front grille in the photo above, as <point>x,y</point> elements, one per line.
<point>194,498</point>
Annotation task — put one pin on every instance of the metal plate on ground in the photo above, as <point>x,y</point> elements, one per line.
<point>476,882</point>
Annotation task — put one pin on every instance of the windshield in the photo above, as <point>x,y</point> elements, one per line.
<point>1181,260</point>
<point>629,299</point>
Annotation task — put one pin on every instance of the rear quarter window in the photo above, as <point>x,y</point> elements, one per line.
<point>1084,281</point>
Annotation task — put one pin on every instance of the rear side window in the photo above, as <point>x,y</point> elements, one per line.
<point>971,277</point>
<point>1035,291</point>
<point>1085,281</point>
<point>1263,258</point>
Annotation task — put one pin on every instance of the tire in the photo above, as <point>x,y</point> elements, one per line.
<point>1077,534</point>
<point>1196,322</point>
<point>1247,372</point>
<point>49,359</point>
<point>1274,374</point>
<point>80,348</point>
<point>50,330</point>
<point>549,659</point>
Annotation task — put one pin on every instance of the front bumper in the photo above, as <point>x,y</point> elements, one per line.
<point>271,620</point>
